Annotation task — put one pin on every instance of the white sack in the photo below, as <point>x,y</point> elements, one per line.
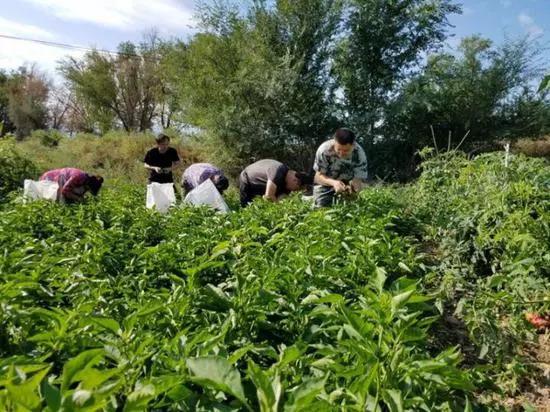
<point>160,196</point>
<point>207,194</point>
<point>41,189</point>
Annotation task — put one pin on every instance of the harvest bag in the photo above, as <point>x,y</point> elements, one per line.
<point>160,196</point>
<point>207,194</point>
<point>41,189</point>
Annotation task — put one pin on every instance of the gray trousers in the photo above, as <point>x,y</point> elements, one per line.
<point>323,195</point>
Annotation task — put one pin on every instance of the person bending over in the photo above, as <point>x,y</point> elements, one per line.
<point>73,183</point>
<point>269,179</point>
<point>198,173</point>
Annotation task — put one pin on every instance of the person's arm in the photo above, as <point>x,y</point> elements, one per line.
<point>155,168</point>
<point>175,164</point>
<point>270,191</point>
<point>337,185</point>
<point>74,182</point>
<point>147,161</point>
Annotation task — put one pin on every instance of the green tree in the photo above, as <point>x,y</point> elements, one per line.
<point>484,91</point>
<point>258,84</point>
<point>382,41</point>
<point>124,89</point>
<point>7,125</point>
<point>28,92</point>
<point>545,83</point>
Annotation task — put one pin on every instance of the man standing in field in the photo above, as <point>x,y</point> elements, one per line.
<point>161,160</point>
<point>198,173</point>
<point>340,166</point>
<point>270,179</point>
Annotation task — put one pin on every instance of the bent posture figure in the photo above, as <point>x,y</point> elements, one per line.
<point>270,179</point>
<point>73,183</point>
<point>198,173</point>
<point>340,166</point>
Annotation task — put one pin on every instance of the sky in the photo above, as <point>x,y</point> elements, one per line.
<point>105,23</point>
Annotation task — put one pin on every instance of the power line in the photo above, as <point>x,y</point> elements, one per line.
<point>73,47</point>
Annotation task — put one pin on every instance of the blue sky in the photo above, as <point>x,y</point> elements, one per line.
<point>105,23</point>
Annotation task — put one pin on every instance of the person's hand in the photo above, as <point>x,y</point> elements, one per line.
<point>356,186</point>
<point>339,186</point>
<point>157,169</point>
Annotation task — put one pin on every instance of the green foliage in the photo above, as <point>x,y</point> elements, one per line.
<point>14,168</point>
<point>273,79</point>
<point>545,83</point>
<point>125,89</point>
<point>108,305</point>
<point>258,85</point>
<point>275,307</point>
<point>27,91</point>
<point>484,92</point>
<point>116,155</point>
<point>48,138</point>
<point>384,40</point>
<point>491,222</point>
<point>7,125</point>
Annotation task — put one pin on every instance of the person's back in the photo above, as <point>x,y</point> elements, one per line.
<point>198,173</point>
<point>270,179</point>
<point>73,183</point>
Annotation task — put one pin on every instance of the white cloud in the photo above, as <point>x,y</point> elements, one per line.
<point>16,53</point>
<point>127,15</point>
<point>529,25</point>
<point>14,28</point>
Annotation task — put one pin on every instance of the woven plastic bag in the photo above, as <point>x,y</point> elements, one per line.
<point>207,194</point>
<point>40,189</point>
<point>160,196</point>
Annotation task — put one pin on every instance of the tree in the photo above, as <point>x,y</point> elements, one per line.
<point>381,43</point>
<point>28,91</point>
<point>125,88</point>
<point>484,92</point>
<point>258,83</point>
<point>59,106</point>
<point>6,125</point>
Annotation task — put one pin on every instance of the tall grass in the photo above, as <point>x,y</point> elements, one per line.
<point>533,147</point>
<point>116,155</point>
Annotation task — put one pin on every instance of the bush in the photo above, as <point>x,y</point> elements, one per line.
<point>491,224</point>
<point>116,155</point>
<point>48,138</point>
<point>14,168</point>
<point>533,147</point>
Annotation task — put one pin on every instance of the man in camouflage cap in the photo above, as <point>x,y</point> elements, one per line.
<point>340,166</point>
